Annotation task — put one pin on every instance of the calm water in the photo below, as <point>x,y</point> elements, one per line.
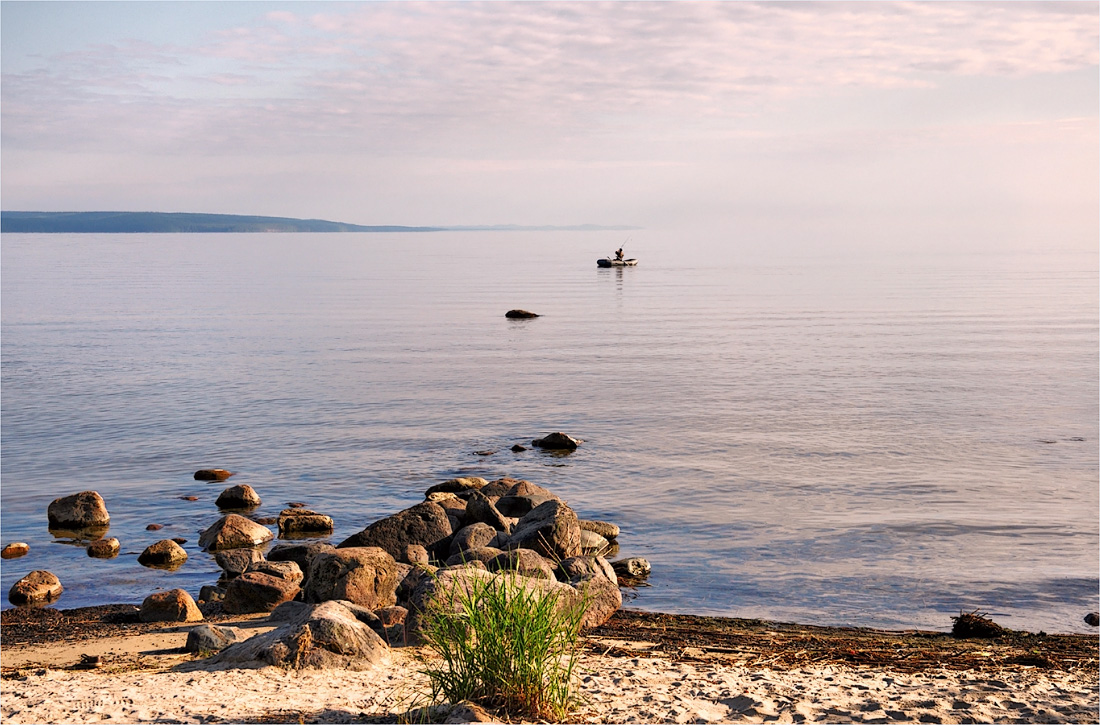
<point>879,441</point>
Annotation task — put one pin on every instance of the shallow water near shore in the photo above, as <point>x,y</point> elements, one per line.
<point>858,439</point>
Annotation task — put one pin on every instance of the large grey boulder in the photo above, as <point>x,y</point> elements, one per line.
<point>38,587</point>
<point>425,524</point>
<point>365,575</point>
<point>551,529</point>
<point>84,510</point>
<point>234,531</point>
<point>327,635</point>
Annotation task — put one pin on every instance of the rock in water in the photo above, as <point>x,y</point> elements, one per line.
<point>241,496</point>
<point>233,531</point>
<point>557,442</point>
<point>15,550</point>
<point>213,474</point>
<point>633,568</point>
<point>163,554</point>
<point>1093,619</point>
<point>519,315</point>
<point>105,548</point>
<point>38,587</point>
<point>84,510</point>
<point>300,522</point>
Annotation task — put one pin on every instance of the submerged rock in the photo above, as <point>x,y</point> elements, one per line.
<point>241,496</point>
<point>162,555</point>
<point>104,548</point>
<point>519,315</point>
<point>15,550</point>
<point>213,474</point>
<point>557,442</point>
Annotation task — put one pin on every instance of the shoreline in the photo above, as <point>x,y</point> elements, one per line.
<point>638,667</point>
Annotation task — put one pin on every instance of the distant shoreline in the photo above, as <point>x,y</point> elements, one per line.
<point>128,222</point>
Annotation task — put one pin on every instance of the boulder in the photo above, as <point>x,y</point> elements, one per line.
<point>593,544</point>
<point>300,554</point>
<point>165,554</point>
<point>367,576</point>
<point>520,506</point>
<point>557,442</point>
<point>415,554</point>
<point>604,529</point>
<point>211,638</point>
<point>241,496</point>
<point>1093,619</point>
<point>233,531</point>
<point>500,487</point>
<point>551,530</point>
<point>84,510</point>
<point>455,508</point>
<point>38,587</point>
<point>521,487</point>
<point>520,315</point>
<point>213,474</point>
<point>582,567</point>
<point>480,509</point>
<point>601,597</point>
<point>174,605</point>
<point>425,524</point>
<point>483,554</point>
<point>522,561</point>
<point>235,562</point>
<point>517,448</point>
<point>210,594</point>
<point>260,591</point>
<point>15,550</point>
<point>456,485</point>
<point>300,522</point>
<point>327,635</point>
<point>634,567</point>
<point>472,537</point>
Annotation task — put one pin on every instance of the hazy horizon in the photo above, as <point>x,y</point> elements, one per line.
<point>880,125</point>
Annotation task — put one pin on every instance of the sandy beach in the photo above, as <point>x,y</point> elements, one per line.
<point>146,677</point>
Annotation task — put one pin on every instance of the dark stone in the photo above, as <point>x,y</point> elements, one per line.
<point>154,527</point>
<point>517,448</point>
<point>519,315</point>
<point>425,524</point>
<point>480,509</point>
<point>1093,619</point>
<point>519,506</point>
<point>456,485</point>
<point>211,638</point>
<point>551,529</point>
<point>557,442</point>
<point>300,522</point>
<point>241,496</point>
<point>212,474</point>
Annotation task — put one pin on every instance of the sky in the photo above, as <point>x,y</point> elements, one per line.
<point>866,122</point>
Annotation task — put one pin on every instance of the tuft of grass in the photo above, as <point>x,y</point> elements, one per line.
<point>504,645</point>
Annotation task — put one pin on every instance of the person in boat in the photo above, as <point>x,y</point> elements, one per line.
<point>619,254</point>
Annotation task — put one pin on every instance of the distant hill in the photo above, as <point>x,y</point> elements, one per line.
<point>142,222</point>
<point>123,222</point>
